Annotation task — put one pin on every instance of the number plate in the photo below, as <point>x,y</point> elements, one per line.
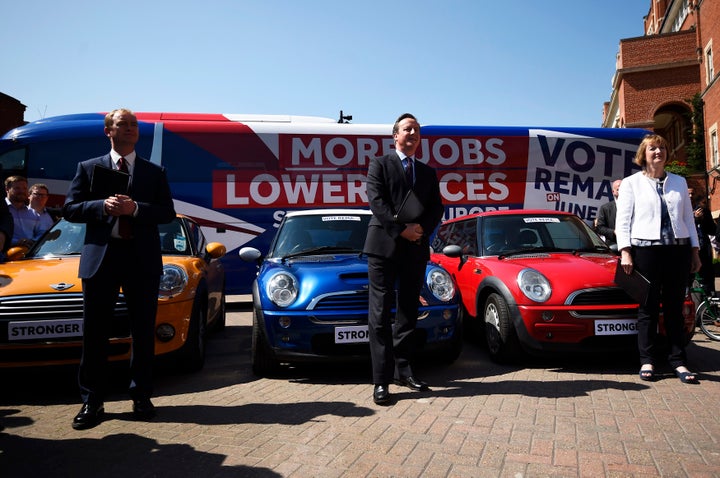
<point>45,329</point>
<point>352,334</point>
<point>616,327</point>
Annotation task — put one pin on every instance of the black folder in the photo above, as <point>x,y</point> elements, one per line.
<point>636,285</point>
<point>108,182</point>
<point>410,210</point>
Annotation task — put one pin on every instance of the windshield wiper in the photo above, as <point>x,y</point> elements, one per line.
<point>55,254</point>
<point>315,250</point>
<point>530,250</point>
<point>593,249</point>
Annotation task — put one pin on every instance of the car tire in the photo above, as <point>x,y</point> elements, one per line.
<point>263,360</point>
<point>193,352</point>
<point>500,335</point>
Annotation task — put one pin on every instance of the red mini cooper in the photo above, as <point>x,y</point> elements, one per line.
<point>541,281</point>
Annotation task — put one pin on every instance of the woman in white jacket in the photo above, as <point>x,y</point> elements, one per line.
<point>656,234</point>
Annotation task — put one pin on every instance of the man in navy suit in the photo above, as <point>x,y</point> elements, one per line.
<point>397,255</point>
<point>121,249</point>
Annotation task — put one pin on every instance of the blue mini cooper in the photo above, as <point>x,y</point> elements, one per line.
<point>310,297</point>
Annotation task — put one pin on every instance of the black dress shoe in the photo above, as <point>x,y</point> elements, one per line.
<point>143,409</point>
<point>381,394</point>
<point>412,383</point>
<point>89,416</point>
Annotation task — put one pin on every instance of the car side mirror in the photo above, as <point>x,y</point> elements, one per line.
<point>452,250</point>
<point>16,253</point>
<point>216,250</point>
<point>455,251</point>
<point>250,254</point>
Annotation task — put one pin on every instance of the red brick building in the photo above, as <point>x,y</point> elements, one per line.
<point>658,74</point>
<point>12,113</point>
<point>710,90</point>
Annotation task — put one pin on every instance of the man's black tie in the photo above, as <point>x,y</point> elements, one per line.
<point>409,171</point>
<point>124,223</point>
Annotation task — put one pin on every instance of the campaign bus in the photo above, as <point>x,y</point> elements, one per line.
<point>238,175</point>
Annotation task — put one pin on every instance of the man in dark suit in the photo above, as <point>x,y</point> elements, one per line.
<point>121,249</point>
<point>606,216</point>
<point>397,254</point>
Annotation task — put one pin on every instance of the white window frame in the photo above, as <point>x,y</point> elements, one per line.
<point>682,15</point>
<point>709,66</point>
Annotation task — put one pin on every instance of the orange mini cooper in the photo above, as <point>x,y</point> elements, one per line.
<point>41,304</point>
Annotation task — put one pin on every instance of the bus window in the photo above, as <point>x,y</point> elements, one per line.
<point>59,159</point>
<point>12,162</point>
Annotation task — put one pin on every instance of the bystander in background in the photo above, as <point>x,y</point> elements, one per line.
<point>706,228</point>
<point>24,219</point>
<point>39,194</point>
<point>605,223</point>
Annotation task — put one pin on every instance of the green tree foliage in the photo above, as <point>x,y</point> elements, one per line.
<point>695,148</point>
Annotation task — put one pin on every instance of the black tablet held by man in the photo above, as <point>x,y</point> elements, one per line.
<point>108,182</point>
<point>410,209</point>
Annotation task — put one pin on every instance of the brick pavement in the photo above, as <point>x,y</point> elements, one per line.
<point>557,417</point>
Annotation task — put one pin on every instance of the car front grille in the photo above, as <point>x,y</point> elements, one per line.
<point>346,300</point>
<point>607,296</point>
<point>38,307</point>
<point>54,307</point>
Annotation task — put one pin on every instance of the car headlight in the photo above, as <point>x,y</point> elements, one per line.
<point>173,281</point>
<point>534,285</point>
<point>440,284</point>
<point>282,289</point>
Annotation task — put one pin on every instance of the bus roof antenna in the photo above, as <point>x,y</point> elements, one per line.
<point>344,118</point>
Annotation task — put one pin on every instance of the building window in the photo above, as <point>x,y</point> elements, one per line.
<point>682,15</point>
<point>709,67</point>
<point>714,148</point>
<point>675,133</point>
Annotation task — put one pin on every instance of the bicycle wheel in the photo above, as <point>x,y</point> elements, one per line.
<point>709,320</point>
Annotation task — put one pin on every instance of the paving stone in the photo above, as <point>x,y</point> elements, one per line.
<point>545,417</point>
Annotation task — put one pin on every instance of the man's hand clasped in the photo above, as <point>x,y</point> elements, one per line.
<point>413,233</point>
<point>120,205</point>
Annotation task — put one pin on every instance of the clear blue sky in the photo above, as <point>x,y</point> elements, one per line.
<point>484,62</point>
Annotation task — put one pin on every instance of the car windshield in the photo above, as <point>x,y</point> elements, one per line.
<point>506,235</point>
<point>66,239</point>
<point>173,239</point>
<point>307,234</point>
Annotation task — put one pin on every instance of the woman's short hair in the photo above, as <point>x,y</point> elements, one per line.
<point>646,141</point>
